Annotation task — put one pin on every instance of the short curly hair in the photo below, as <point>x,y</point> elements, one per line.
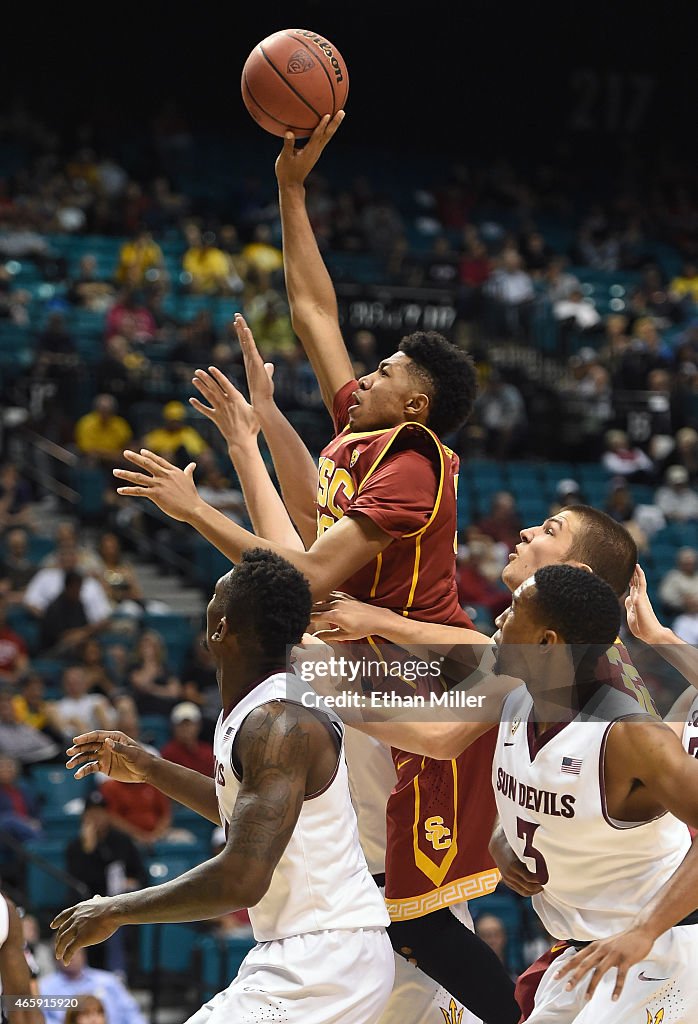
<point>578,605</point>
<point>452,375</point>
<point>267,602</point>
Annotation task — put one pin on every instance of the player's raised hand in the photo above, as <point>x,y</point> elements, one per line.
<point>260,375</point>
<point>620,951</point>
<point>111,752</point>
<point>642,621</point>
<point>171,489</point>
<point>294,165</point>
<point>514,873</point>
<point>232,414</point>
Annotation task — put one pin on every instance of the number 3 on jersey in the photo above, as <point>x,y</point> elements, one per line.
<point>526,830</point>
<point>330,479</point>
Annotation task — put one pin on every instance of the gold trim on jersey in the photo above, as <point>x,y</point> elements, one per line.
<point>379,566</point>
<point>469,888</point>
<point>415,574</point>
<point>435,872</point>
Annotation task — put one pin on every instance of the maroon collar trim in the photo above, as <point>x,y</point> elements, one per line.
<point>248,690</point>
<point>536,743</point>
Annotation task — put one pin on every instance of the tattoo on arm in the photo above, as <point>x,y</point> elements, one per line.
<point>274,752</point>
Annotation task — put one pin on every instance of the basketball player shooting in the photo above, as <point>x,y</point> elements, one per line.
<point>281,792</point>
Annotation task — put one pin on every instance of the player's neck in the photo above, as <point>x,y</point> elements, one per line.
<point>554,697</point>
<point>238,678</point>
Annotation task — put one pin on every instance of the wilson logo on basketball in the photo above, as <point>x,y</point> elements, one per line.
<point>299,62</point>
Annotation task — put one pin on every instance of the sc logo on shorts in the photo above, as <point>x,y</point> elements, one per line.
<point>438,835</point>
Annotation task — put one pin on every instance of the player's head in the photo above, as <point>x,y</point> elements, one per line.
<point>428,380</point>
<point>258,610</point>
<point>559,606</point>
<point>580,536</point>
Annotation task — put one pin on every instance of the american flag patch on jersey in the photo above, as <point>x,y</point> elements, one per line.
<point>571,765</point>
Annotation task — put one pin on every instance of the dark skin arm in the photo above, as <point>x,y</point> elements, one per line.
<point>352,542</point>
<point>115,754</point>
<point>311,294</point>
<point>284,753</point>
<point>647,772</point>
<point>14,971</point>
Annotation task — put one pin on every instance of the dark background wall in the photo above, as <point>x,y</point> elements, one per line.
<point>454,77</point>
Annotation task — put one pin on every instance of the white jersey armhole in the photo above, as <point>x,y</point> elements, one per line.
<point>4,920</point>
<point>333,727</point>
<point>616,822</point>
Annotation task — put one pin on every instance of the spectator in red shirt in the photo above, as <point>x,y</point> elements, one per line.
<point>138,809</point>
<point>185,747</point>
<point>14,657</point>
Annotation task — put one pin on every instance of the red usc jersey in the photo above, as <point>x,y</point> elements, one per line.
<point>404,480</point>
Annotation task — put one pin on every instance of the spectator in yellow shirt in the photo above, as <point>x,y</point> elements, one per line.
<point>686,284</point>
<point>101,434</point>
<point>137,257</point>
<point>174,440</point>
<point>208,266</point>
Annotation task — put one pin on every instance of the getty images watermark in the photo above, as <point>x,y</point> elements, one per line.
<point>379,681</point>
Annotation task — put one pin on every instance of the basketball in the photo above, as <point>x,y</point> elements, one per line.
<point>292,79</point>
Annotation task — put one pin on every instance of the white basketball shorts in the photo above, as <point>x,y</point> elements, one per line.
<point>660,990</point>
<point>330,977</point>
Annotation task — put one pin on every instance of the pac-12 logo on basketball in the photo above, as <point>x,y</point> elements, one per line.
<point>300,61</point>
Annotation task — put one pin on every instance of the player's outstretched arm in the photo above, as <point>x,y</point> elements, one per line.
<point>335,556</point>
<point>239,425</point>
<point>296,470</point>
<point>644,624</point>
<point>115,754</point>
<point>653,755</point>
<point>275,747</point>
<point>14,971</point>
<point>311,295</point>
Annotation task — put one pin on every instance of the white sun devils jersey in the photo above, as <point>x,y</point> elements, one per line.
<point>321,882</point>
<point>690,730</point>
<point>597,873</point>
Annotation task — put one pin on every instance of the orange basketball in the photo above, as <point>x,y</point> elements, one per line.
<point>292,79</point>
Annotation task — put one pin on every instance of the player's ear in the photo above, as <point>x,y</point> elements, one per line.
<point>221,631</point>
<point>549,638</point>
<point>417,406</point>
<point>581,565</point>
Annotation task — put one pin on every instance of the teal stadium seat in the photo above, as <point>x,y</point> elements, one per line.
<point>168,947</point>
<point>220,960</point>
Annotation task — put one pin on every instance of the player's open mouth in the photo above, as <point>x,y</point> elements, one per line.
<point>512,556</point>
<point>355,396</point>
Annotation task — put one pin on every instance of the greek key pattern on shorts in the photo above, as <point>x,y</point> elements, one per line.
<point>455,892</point>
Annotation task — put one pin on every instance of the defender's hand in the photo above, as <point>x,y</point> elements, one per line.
<point>620,951</point>
<point>85,924</point>
<point>260,375</point>
<point>642,621</point>
<point>342,617</point>
<point>232,414</point>
<point>170,488</point>
<point>113,753</point>
<point>294,165</point>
